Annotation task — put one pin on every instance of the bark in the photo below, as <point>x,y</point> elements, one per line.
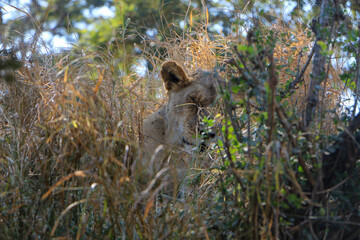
<point>1,18</point>
<point>318,69</point>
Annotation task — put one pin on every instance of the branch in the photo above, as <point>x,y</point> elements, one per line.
<point>272,81</point>
<point>298,78</point>
<point>283,120</point>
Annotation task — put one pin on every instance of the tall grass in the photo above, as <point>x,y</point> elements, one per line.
<point>70,137</point>
<point>70,145</point>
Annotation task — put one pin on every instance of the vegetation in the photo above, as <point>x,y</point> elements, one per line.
<point>283,162</point>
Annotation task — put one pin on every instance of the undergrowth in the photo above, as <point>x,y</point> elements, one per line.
<point>70,145</point>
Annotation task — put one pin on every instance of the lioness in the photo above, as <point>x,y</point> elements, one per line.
<point>169,132</point>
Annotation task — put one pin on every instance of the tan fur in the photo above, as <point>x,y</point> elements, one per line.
<point>174,125</point>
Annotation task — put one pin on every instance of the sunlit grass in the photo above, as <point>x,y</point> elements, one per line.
<point>71,135</point>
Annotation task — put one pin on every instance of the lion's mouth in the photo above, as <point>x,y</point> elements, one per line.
<point>184,141</point>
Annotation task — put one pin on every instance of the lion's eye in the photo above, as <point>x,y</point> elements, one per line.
<point>195,74</point>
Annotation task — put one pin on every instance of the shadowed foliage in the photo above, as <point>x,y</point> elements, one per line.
<point>282,160</point>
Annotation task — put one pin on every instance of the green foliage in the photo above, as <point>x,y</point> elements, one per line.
<point>269,164</point>
<point>8,65</point>
<point>70,128</point>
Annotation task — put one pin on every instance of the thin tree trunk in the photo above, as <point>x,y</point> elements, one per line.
<point>1,22</point>
<point>357,77</point>
<point>318,68</point>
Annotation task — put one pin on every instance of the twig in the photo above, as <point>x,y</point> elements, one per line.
<point>298,78</point>
<point>337,185</point>
<point>248,128</point>
<point>271,99</point>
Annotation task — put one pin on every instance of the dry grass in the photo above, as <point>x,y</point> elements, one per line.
<point>70,132</point>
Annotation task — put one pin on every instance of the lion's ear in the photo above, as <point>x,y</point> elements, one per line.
<point>174,76</point>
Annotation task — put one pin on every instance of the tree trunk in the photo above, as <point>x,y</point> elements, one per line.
<point>318,68</point>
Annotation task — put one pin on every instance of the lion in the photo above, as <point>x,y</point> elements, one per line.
<point>169,133</point>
